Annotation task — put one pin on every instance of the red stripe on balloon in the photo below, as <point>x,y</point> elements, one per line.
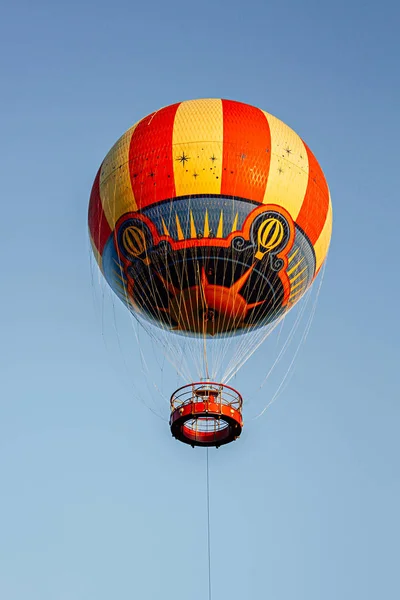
<point>150,157</point>
<point>247,151</point>
<point>314,210</point>
<point>98,224</point>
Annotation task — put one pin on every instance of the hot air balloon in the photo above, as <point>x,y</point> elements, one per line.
<point>209,219</point>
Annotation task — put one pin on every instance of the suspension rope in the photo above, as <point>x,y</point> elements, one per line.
<point>208,528</point>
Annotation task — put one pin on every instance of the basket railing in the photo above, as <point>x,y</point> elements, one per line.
<point>206,392</point>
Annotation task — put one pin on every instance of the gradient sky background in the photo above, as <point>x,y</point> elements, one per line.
<point>97,501</point>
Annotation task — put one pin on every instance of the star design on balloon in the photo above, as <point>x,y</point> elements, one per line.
<point>183,159</point>
<point>288,150</point>
<point>213,158</point>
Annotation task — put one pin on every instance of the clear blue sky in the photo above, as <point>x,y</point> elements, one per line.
<point>96,500</point>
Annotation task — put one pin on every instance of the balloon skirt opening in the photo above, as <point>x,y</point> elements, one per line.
<point>206,414</point>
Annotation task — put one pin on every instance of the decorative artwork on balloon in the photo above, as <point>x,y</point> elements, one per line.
<point>193,267</point>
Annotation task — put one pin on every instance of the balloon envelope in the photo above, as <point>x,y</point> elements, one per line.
<point>210,218</point>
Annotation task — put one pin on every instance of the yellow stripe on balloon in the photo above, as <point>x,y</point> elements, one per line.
<point>197,147</point>
<point>115,181</point>
<point>179,228</point>
<point>296,266</point>
<point>288,171</point>
<point>220,230</point>
<point>165,228</point>
<point>322,244</point>
<point>206,231</point>
<point>235,223</point>
<point>193,232</point>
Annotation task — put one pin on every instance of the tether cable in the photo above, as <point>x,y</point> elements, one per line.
<point>208,530</point>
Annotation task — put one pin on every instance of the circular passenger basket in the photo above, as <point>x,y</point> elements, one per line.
<point>206,414</point>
